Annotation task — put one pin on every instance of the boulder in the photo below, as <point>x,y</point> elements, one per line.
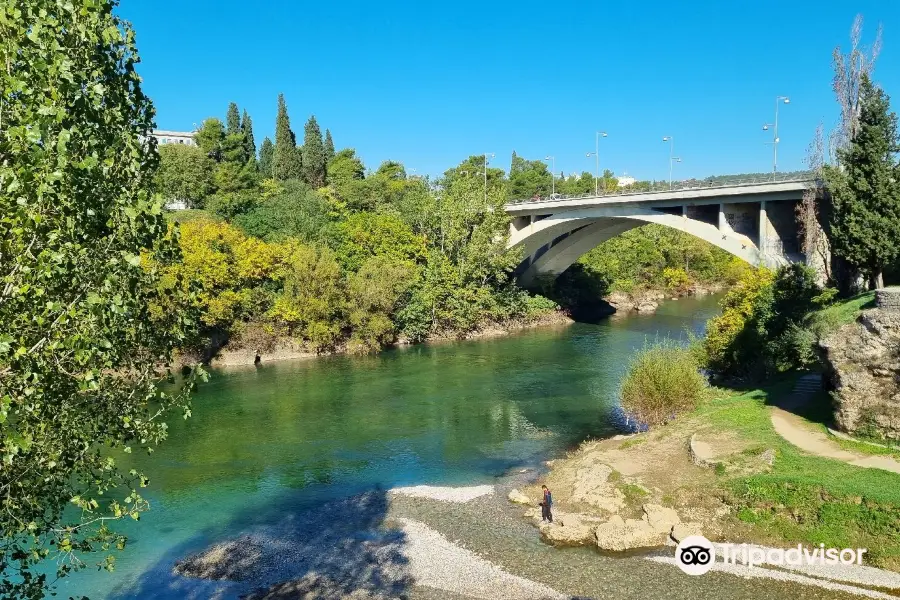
<point>569,529</point>
<point>647,306</point>
<point>660,518</point>
<point>518,497</point>
<point>684,530</point>
<point>619,534</point>
<point>862,366</point>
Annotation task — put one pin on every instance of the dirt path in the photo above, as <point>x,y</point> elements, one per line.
<point>797,431</point>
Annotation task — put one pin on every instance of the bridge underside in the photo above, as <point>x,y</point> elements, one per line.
<point>761,232</point>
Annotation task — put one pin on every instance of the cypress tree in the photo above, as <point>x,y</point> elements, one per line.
<point>864,216</point>
<point>266,157</point>
<point>329,147</point>
<point>313,166</point>
<point>249,141</point>
<point>233,120</point>
<point>285,158</point>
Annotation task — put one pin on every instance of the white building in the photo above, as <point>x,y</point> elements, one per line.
<point>625,180</point>
<point>174,137</point>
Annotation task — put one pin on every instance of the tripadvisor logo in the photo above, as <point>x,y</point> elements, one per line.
<point>696,555</point>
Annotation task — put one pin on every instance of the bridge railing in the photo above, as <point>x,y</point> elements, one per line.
<point>691,184</point>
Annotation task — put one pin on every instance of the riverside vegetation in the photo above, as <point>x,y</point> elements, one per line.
<point>303,245</point>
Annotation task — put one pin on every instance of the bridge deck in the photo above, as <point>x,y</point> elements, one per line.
<point>789,188</point>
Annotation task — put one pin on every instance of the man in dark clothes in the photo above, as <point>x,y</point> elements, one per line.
<point>546,505</point>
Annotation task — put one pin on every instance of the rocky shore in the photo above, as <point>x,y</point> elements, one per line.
<point>241,351</point>
<point>647,301</point>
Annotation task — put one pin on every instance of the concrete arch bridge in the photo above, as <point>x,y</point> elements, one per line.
<point>753,220</point>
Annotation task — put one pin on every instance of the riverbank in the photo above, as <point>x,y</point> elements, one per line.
<point>725,473</point>
<point>647,300</point>
<point>242,350</point>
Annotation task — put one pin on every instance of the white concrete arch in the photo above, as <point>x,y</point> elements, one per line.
<point>599,224</point>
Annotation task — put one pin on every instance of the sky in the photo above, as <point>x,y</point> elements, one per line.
<point>430,83</point>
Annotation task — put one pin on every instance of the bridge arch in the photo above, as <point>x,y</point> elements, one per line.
<point>553,243</point>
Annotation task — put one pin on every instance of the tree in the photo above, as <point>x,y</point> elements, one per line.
<point>266,157</point>
<point>210,138</point>
<point>864,217</point>
<point>233,119</point>
<point>313,166</point>
<point>82,246</point>
<point>329,147</point>
<point>528,178</point>
<point>185,173</point>
<point>285,158</point>
<point>249,141</point>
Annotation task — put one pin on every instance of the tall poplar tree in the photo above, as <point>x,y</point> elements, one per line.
<point>285,158</point>
<point>249,141</point>
<point>233,119</point>
<point>87,315</point>
<point>864,217</point>
<point>266,157</point>
<point>313,167</point>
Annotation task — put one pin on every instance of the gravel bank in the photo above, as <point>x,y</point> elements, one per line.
<point>436,562</point>
<point>445,494</point>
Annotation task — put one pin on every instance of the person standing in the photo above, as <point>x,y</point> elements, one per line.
<point>546,505</point>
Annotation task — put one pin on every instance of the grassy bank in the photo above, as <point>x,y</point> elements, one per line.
<point>803,498</point>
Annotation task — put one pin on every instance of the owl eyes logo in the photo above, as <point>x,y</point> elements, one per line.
<point>695,555</point>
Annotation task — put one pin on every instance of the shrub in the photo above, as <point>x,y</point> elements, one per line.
<point>675,278</point>
<point>662,381</point>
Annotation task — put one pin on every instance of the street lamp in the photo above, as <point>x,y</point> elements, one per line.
<point>672,158</point>
<point>775,138</point>
<point>552,160</point>
<point>596,155</point>
<point>485,173</point>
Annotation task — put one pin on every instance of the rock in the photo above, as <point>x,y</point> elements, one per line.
<point>617,534</point>
<point>683,530</point>
<point>768,457</point>
<point>569,529</point>
<point>862,366</point>
<point>702,454</point>
<point>660,518</point>
<point>592,487</point>
<point>519,498</point>
<point>621,301</point>
<point>647,306</point>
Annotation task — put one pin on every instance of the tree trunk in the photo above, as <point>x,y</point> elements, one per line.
<point>876,282</point>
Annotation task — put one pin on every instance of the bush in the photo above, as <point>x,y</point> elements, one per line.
<point>662,381</point>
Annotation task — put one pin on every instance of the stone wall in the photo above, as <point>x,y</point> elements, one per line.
<point>862,362</point>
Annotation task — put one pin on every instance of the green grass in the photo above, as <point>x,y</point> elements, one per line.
<point>842,312</point>
<point>863,448</point>
<point>808,499</point>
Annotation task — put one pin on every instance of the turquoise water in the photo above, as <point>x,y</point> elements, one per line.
<point>285,437</point>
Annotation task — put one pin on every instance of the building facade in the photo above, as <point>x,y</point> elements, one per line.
<point>164,136</point>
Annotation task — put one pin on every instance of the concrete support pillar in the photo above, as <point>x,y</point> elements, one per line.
<point>723,222</point>
<point>533,257</point>
<point>684,211</point>
<point>763,227</point>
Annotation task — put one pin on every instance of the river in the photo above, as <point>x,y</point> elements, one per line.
<point>284,437</point>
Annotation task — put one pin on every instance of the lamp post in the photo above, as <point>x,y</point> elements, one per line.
<point>552,160</point>
<point>672,158</point>
<point>775,138</point>
<point>485,173</point>
<point>596,155</point>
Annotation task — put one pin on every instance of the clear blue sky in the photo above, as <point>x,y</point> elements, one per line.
<point>428,84</point>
